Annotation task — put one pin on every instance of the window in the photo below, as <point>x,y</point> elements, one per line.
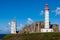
<point>42,26</point>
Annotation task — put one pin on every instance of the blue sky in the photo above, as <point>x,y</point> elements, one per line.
<point>24,9</point>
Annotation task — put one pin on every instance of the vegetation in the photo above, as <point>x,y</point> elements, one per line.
<point>33,36</point>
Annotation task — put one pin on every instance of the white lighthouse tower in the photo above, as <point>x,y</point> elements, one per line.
<point>46,16</point>
<point>13,27</point>
<point>46,28</point>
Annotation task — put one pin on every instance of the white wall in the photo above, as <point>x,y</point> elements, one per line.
<point>13,27</point>
<point>46,30</point>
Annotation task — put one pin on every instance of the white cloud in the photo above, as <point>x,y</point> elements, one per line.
<point>42,12</point>
<point>57,10</point>
<point>9,23</point>
<point>5,29</point>
<point>30,21</point>
<point>20,27</point>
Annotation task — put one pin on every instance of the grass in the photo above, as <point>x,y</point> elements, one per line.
<point>33,36</point>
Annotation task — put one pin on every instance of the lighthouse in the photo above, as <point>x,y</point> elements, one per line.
<point>46,16</point>
<point>46,27</point>
<point>13,26</point>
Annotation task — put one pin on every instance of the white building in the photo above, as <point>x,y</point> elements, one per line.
<point>13,27</point>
